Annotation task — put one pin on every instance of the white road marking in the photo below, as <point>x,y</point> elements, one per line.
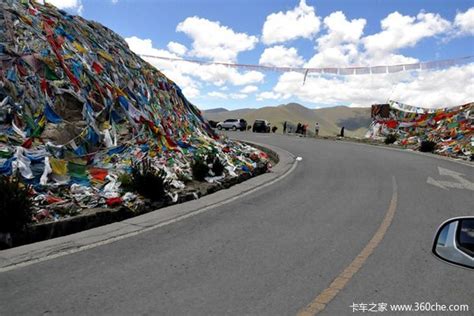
<point>459,183</point>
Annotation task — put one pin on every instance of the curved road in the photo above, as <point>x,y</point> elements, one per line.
<point>274,251</point>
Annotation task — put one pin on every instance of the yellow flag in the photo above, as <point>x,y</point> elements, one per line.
<point>105,56</point>
<point>79,48</point>
<point>59,166</point>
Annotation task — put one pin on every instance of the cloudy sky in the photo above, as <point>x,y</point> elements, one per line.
<point>298,33</point>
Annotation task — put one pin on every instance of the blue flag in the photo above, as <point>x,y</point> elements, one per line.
<point>51,116</point>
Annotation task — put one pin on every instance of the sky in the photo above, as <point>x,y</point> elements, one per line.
<point>303,34</point>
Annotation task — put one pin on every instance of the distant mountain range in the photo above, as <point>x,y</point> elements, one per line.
<point>217,110</point>
<point>355,120</point>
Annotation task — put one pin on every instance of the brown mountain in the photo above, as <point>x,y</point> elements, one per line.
<point>355,120</point>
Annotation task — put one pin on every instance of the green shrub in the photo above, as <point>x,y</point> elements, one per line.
<point>200,169</point>
<point>210,157</point>
<point>218,167</point>
<point>15,205</point>
<point>427,146</point>
<point>126,181</point>
<point>148,181</point>
<point>390,139</point>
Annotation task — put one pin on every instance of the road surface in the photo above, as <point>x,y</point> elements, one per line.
<point>275,251</point>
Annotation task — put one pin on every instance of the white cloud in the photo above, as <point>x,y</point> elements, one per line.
<point>338,56</point>
<point>339,46</point>
<point>249,89</point>
<point>214,41</point>
<point>191,92</point>
<point>64,4</point>
<point>343,44</point>
<point>171,69</point>
<point>464,22</point>
<point>341,30</point>
<point>439,88</point>
<point>145,47</point>
<point>388,59</point>
<point>177,48</point>
<point>301,22</point>
<point>224,96</point>
<point>238,96</point>
<point>219,75</point>
<point>399,31</point>
<point>73,5</point>
<point>219,95</point>
<point>269,95</point>
<point>281,56</point>
<point>189,76</point>
<point>114,1</point>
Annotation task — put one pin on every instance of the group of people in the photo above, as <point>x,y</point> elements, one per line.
<point>301,129</point>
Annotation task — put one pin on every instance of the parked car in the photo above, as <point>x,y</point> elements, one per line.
<point>233,124</point>
<point>261,126</point>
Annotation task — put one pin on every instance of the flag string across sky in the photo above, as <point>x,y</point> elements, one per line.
<point>343,71</point>
<point>240,54</point>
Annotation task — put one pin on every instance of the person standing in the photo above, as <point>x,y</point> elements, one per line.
<point>298,128</point>
<point>284,127</point>
<point>316,129</point>
<point>342,132</point>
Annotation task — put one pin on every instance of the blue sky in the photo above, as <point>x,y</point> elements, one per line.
<point>329,33</point>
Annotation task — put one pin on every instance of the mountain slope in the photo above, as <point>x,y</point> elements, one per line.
<point>355,120</point>
<point>217,110</point>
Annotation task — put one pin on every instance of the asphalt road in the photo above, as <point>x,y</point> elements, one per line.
<point>274,251</point>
